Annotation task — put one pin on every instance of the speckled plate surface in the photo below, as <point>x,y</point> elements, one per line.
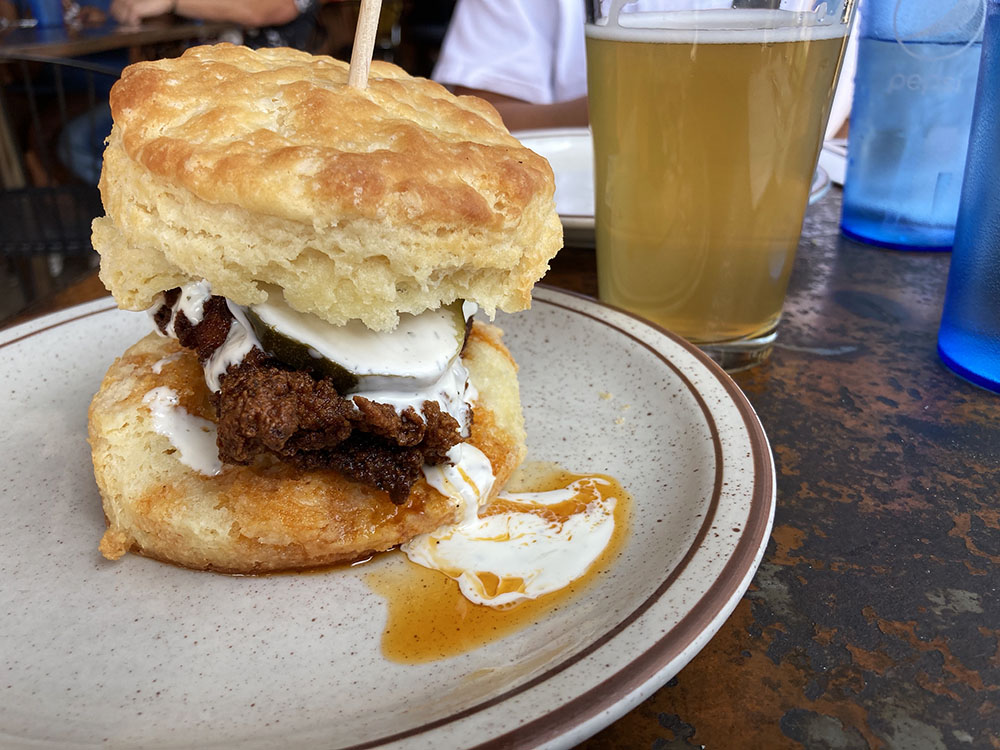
<point>570,151</point>
<point>140,654</point>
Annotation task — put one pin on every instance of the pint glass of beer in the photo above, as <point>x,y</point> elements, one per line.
<point>707,125</point>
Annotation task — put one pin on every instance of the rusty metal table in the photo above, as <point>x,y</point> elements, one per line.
<point>874,621</point>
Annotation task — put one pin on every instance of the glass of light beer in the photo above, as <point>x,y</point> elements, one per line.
<point>707,126</point>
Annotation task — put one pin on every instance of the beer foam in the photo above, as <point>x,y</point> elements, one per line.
<point>719,26</point>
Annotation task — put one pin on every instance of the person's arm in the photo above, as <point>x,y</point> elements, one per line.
<point>518,114</point>
<point>252,13</point>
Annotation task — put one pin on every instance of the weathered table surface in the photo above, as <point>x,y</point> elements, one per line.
<point>874,621</point>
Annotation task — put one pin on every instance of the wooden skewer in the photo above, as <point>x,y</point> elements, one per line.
<point>364,43</point>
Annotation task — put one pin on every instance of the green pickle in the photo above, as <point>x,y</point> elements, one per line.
<point>296,354</point>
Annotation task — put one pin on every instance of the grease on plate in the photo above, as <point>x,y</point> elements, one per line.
<point>430,619</point>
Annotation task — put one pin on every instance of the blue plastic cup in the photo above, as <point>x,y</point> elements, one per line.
<point>969,338</point>
<point>47,12</point>
<point>909,130</point>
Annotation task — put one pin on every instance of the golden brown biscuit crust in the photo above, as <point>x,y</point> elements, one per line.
<point>277,131</point>
<point>401,196</point>
<point>269,516</point>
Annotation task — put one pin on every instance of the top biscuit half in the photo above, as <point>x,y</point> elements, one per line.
<point>262,169</point>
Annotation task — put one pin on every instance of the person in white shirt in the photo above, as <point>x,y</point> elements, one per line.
<point>525,56</point>
<point>528,58</point>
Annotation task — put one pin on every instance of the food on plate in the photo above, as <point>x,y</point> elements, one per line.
<point>262,169</point>
<point>167,495</point>
<point>316,388</point>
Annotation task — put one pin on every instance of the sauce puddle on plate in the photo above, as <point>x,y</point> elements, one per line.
<point>429,618</point>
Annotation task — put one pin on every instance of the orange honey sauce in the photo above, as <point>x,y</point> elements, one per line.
<point>428,616</point>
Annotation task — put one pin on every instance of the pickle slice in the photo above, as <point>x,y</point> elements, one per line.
<point>414,355</point>
<point>299,355</point>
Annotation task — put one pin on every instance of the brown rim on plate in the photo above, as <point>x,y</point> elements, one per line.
<point>642,670</point>
<point>54,325</point>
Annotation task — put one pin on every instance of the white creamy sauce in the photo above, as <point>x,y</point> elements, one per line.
<point>506,557</point>
<point>468,479</point>
<point>239,341</point>
<point>417,351</point>
<point>453,391</point>
<point>161,363</point>
<point>192,437</point>
<point>191,302</point>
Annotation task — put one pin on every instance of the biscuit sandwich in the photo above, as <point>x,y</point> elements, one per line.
<point>315,389</point>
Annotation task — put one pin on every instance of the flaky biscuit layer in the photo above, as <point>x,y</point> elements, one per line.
<point>250,168</point>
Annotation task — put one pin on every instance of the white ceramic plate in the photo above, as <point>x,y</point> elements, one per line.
<point>140,654</point>
<point>570,151</point>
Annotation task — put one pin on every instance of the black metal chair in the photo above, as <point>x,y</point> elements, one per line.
<point>53,121</point>
<point>53,127</point>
